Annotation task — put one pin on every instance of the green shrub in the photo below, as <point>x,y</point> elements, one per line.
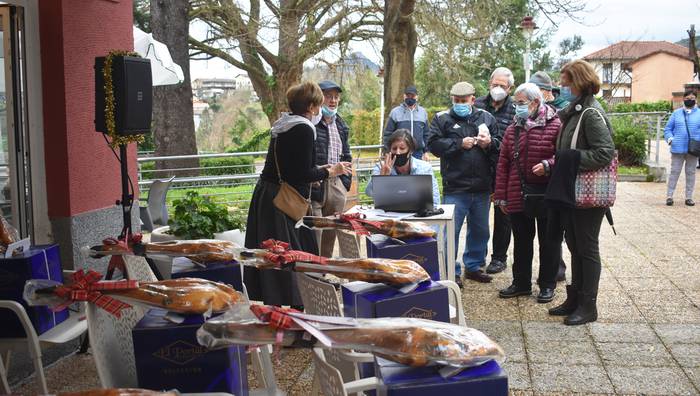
<point>661,105</point>
<point>364,127</point>
<point>197,217</point>
<point>630,140</point>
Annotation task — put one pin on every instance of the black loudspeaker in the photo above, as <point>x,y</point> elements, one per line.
<point>133,95</point>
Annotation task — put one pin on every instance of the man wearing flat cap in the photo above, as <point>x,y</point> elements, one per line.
<point>467,140</point>
<point>331,147</point>
<point>544,82</point>
<point>409,115</point>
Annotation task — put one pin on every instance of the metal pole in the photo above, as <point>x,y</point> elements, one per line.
<point>658,137</point>
<point>381,110</point>
<point>527,56</point>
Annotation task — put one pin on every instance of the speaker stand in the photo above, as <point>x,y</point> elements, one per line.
<point>126,202</point>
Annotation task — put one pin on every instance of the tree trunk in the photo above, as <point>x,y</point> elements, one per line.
<point>398,50</point>
<point>173,118</point>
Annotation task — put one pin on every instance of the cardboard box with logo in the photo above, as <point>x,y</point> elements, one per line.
<point>40,262</point>
<point>423,251</point>
<point>168,356</point>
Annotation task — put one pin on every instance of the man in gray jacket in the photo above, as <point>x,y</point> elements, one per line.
<point>409,115</point>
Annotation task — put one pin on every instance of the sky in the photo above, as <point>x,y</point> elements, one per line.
<point>606,23</point>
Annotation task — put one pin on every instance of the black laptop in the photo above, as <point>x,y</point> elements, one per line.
<point>402,193</point>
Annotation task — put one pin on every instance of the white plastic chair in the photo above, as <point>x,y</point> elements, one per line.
<point>65,331</point>
<point>320,298</point>
<point>156,213</point>
<point>331,381</point>
<point>457,297</point>
<point>348,243</point>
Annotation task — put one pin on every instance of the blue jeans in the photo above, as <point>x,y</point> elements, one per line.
<point>474,207</point>
<point>418,154</point>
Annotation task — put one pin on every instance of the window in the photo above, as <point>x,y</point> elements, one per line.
<point>607,73</point>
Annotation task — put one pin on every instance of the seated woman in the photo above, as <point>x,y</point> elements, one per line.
<point>398,161</point>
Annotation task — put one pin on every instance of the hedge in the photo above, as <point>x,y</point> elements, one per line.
<point>661,105</point>
<point>629,139</point>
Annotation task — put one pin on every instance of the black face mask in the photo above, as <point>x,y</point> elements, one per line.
<point>401,159</point>
<point>410,101</point>
<point>689,102</point>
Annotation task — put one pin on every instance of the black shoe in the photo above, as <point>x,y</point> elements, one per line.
<point>669,201</point>
<point>514,291</point>
<point>689,202</point>
<point>495,267</point>
<point>478,276</point>
<point>561,273</point>
<point>458,281</point>
<point>585,312</point>
<point>568,306</point>
<point>546,295</point>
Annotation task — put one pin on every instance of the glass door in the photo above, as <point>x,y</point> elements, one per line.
<point>15,175</point>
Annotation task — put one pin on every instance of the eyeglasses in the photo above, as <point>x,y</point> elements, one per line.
<point>516,104</point>
<point>332,97</point>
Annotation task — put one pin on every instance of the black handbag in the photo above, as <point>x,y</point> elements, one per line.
<point>693,145</point>
<point>533,194</point>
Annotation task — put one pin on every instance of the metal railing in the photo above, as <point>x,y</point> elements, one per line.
<point>235,183</point>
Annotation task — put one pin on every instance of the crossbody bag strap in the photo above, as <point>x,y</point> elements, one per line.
<point>516,156</point>
<point>685,115</point>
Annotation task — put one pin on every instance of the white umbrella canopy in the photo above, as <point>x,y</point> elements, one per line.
<point>164,71</point>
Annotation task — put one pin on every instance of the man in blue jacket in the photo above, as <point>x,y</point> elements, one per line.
<point>467,141</point>
<point>409,115</point>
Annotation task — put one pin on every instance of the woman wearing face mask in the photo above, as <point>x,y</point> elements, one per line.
<point>594,149</point>
<point>683,124</point>
<point>528,141</point>
<point>290,158</point>
<point>399,160</point>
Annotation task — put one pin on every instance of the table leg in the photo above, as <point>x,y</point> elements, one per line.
<point>451,253</point>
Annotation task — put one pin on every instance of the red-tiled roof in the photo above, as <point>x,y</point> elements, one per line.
<point>631,50</point>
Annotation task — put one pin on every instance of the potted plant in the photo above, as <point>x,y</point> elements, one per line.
<point>198,217</point>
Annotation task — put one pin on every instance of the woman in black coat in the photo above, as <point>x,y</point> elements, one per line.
<point>291,150</point>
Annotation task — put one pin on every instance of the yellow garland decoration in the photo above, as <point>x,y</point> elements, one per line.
<point>110,123</point>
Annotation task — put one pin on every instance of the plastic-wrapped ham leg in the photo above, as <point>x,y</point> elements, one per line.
<point>184,295</point>
<point>198,250</point>
<point>393,228</point>
<point>414,342</point>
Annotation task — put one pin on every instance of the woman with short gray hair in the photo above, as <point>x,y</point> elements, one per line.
<point>520,185</point>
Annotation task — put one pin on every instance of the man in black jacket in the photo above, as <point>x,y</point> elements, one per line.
<point>331,147</point>
<point>500,105</point>
<point>467,141</point>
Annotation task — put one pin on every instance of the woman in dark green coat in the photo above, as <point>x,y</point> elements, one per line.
<point>579,83</point>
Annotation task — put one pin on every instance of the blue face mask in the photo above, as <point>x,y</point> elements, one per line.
<point>462,109</point>
<point>328,112</point>
<point>565,93</point>
<point>522,111</point>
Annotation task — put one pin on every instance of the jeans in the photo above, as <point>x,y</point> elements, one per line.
<point>418,154</point>
<point>474,207</point>
<point>523,237</point>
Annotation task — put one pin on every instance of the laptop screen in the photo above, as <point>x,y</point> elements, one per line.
<point>402,193</point>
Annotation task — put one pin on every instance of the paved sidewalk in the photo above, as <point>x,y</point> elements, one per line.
<point>646,341</point>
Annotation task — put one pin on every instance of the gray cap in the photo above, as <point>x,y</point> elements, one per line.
<point>542,80</point>
<point>328,84</point>
<point>462,88</point>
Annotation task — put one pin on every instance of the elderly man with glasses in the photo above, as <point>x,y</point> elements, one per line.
<point>466,140</point>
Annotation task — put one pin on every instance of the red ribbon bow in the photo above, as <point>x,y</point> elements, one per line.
<point>357,222</point>
<point>117,262</point>
<point>280,255</point>
<point>276,317</point>
<point>86,287</point>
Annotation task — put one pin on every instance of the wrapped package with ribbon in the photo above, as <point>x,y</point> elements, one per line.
<point>200,251</point>
<point>358,223</point>
<point>414,342</point>
<point>184,295</point>
<point>276,254</point>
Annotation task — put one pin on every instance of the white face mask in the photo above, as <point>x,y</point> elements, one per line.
<point>498,94</point>
<point>315,119</point>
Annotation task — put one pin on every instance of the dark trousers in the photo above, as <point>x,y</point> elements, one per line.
<point>582,229</point>
<point>501,236</point>
<point>523,237</point>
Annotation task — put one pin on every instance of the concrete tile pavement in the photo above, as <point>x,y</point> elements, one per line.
<point>647,338</point>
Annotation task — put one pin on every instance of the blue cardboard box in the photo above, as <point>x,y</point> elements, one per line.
<point>395,379</point>
<point>371,300</point>
<point>40,262</point>
<point>168,356</point>
<point>423,251</point>
<point>228,272</point>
